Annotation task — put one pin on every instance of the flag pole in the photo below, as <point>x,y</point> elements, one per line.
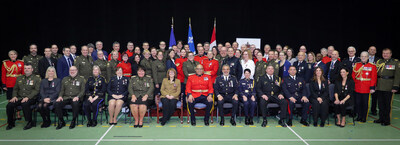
<point>172,24</point>
<point>190,22</point>
<point>215,22</point>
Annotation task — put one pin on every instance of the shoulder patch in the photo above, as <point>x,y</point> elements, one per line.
<point>148,76</point>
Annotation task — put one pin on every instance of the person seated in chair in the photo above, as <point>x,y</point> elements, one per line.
<point>95,90</point>
<point>294,90</point>
<point>117,90</point>
<point>49,89</point>
<point>226,90</point>
<point>170,91</point>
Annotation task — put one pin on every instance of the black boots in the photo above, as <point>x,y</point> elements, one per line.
<point>264,123</point>
<point>61,124</point>
<point>72,125</point>
<point>28,125</point>
<point>233,122</point>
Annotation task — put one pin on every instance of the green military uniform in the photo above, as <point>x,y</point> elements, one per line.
<point>34,60</point>
<point>72,87</point>
<point>388,80</point>
<point>56,56</point>
<point>140,86</point>
<point>84,66</point>
<point>146,63</point>
<point>261,66</point>
<point>220,59</point>
<point>111,68</point>
<point>27,86</point>
<point>189,68</point>
<point>103,67</point>
<point>159,70</point>
<point>275,64</point>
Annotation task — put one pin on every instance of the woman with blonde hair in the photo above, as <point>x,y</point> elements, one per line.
<point>50,87</point>
<point>170,90</point>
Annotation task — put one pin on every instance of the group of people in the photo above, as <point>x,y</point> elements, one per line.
<point>245,77</point>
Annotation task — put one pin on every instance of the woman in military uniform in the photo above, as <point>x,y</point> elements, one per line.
<point>102,63</point>
<point>141,90</point>
<point>125,65</point>
<point>95,91</point>
<point>117,94</point>
<point>146,62</point>
<point>112,65</point>
<point>247,95</point>
<point>158,68</point>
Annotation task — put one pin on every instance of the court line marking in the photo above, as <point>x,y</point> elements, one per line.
<point>108,130</point>
<point>201,140</point>
<point>296,134</point>
<point>4,102</point>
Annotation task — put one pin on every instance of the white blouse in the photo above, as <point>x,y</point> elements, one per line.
<point>248,65</point>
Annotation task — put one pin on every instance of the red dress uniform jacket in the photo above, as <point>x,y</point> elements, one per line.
<point>179,64</point>
<point>199,85</point>
<point>365,76</point>
<point>200,59</point>
<point>211,68</point>
<point>10,71</point>
<point>119,57</point>
<point>126,68</point>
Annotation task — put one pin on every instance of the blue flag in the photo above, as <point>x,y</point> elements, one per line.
<point>172,38</point>
<point>190,40</point>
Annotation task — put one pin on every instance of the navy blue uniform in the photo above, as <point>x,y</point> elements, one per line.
<point>295,88</point>
<point>227,89</point>
<point>235,66</point>
<point>271,88</point>
<point>247,89</point>
<point>95,86</point>
<point>301,68</point>
<point>118,86</point>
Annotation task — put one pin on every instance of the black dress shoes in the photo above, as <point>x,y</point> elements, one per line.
<point>305,123</point>
<point>72,125</point>
<point>60,125</point>
<point>264,123</point>
<point>233,122</point>
<point>206,123</point>
<point>290,123</point>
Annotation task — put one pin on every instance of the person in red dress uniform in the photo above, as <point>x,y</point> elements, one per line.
<point>126,66</point>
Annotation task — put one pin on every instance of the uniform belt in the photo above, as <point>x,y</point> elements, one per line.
<point>363,79</point>
<point>386,77</point>
<point>199,91</point>
<point>207,72</point>
<point>9,75</point>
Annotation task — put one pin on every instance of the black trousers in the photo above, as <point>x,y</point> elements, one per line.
<point>228,99</point>
<point>304,110</point>
<point>385,105</point>
<point>60,105</point>
<point>201,99</point>
<point>374,102</point>
<point>9,93</point>
<point>157,91</point>
<point>361,104</point>
<point>92,108</point>
<point>169,107</point>
<point>183,89</point>
<point>281,102</point>
<point>44,110</point>
<point>320,110</point>
<point>26,108</point>
<point>248,106</point>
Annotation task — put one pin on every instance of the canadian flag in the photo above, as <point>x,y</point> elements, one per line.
<point>213,41</point>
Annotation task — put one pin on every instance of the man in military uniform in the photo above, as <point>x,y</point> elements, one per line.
<point>211,66</point>
<point>54,52</point>
<point>199,89</point>
<point>221,57</point>
<point>226,90</point>
<point>261,66</point>
<point>72,91</point>
<point>364,75</point>
<point>189,66</point>
<point>33,58</point>
<point>234,64</point>
<point>102,63</point>
<point>25,92</point>
<point>388,83</point>
<point>272,62</point>
<point>301,65</point>
<point>294,90</point>
<point>112,65</point>
<point>268,88</point>
<point>200,56</point>
<point>84,63</point>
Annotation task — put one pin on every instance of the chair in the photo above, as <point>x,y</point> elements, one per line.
<point>179,106</point>
<point>34,115</point>
<point>225,106</point>
<point>201,106</point>
<point>68,107</point>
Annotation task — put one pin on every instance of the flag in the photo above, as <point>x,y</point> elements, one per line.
<point>213,41</point>
<point>172,36</point>
<point>190,39</point>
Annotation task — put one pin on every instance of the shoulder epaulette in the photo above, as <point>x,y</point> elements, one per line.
<point>148,76</point>
<point>6,60</point>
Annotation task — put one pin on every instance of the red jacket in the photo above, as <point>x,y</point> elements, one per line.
<point>255,60</point>
<point>129,53</point>
<point>365,76</point>
<point>200,59</point>
<point>327,59</point>
<point>126,68</point>
<point>199,85</point>
<point>179,69</point>
<point>119,56</point>
<point>10,71</point>
<point>211,68</point>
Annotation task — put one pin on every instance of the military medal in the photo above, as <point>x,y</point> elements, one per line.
<point>77,83</point>
<point>205,78</point>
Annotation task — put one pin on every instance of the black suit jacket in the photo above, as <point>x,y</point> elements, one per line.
<point>349,64</point>
<point>335,72</point>
<point>44,64</point>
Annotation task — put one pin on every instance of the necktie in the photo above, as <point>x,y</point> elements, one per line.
<point>69,62</point>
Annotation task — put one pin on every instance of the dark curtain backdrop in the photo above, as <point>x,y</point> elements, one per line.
<point>316,24</point>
